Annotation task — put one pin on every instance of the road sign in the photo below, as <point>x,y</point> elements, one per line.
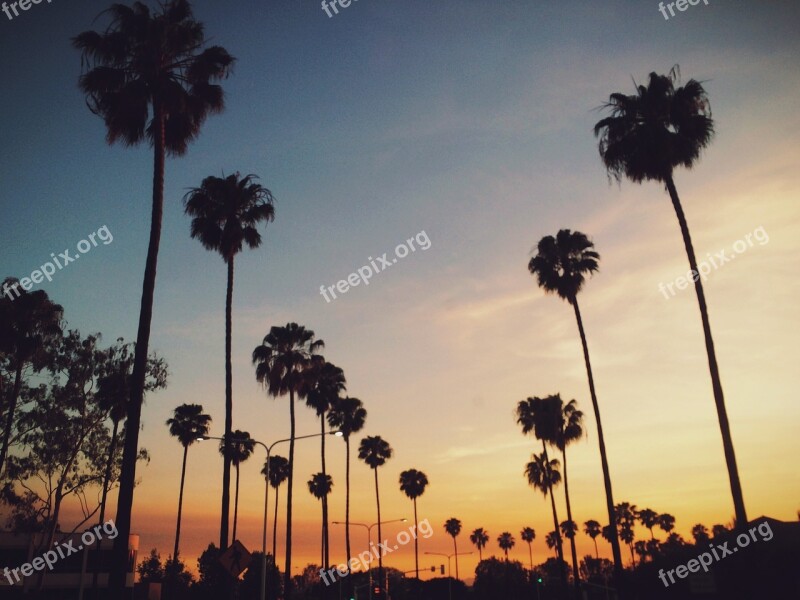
<point>236,558</point>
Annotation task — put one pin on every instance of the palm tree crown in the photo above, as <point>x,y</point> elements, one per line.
<point>562,263</point>
<point>506,542</point>
<point>278,470</point>
<point>189,423</point>
<point>413,483</point>
<point>542,473</point>
<point>480,538</point>
<point>320,485</point>
<point>283,356</point>
<point>374,451</point>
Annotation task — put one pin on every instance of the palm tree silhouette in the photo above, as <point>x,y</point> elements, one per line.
<point>325,383</point>
<point>278,473</point>
<point>31,323</point>
<point>553,539</point>
<point>225,215</point>
<point>453,527</point>
<point>187,424</point>
<point>320,485</point>
<point>528,535</point>
<point>647,136</point>
<point>666,522</point>
<point>375,451</point>
<point>348,416</point>
<point>479,537</point>
<point>626,515</point>
<point>561,265</point>
<point>700,534</point>
<point>149,76</point>
<point>648,518</point>
<point>280,363</point>
<point>543,474</point>
<point>240,448</point>
<point>413,484</point>
<point>592,529</point>
<point>506,542</point>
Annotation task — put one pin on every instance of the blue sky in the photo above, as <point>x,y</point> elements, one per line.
<point>470,121</point>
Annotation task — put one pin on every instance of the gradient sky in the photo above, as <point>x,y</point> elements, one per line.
<point>470,121</point>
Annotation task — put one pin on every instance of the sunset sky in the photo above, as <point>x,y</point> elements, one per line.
<point>472,122</point>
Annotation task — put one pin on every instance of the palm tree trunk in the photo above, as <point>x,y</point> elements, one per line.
<point>596,552</point>
<point>559,547</point>
<point>325,539</point>
<point>615,551</point>
<point>416,542</point>
<point>287,574</point>
<point>131,447</point>
<point>226,460</point>
<point>455,549</point>
<point>180,505</point>
<point>347,500</point>
<point>275,529</point>
<point>575,574</point>
<point>530,554</point>
<point>633,558</point>
<point>12,407</point>
<point>716,383</point>
<point>380,539</point>
<point>112,449</point>
<point>235,506</point>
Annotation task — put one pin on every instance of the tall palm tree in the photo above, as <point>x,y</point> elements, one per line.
<point>647,136</point>
<point>375,451</point>
<point>453,527</point>
<point>320,485</point>
<point>325,383</point>
<point>560,266</point>
<point>278,473</point>
<point>240,447</point>
<point>626,516</point>
<point>280,361</point>
<point>648,518</point>
<point>31,322</point>
<point>413,484</point>
<point>149,75</point>
<point>543,474</point>
<point>225,215</point>
<point>542,417</point>
<point>187,424</point>
<point>528,534</point>
<point>506,542</point>
<point>592,529</point>
<point>348,415</point>
<point>479,537</point>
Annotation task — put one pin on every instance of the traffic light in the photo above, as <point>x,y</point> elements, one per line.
<point>442,569</point>
<point>433,568</point>
<point>377,592</point>
<point>538,580</point>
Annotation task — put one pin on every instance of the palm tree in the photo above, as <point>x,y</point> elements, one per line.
<point>278,472</point>
<point>413,484</point>
<point>149,76</point>
<point>543,474</point>
<point>528,535</point>
<point>568,529</point>
<point>240,448</point>
<point>506,542</point>
<point>320,485</point>
<point>553,539</point>
<point>375,451</point>
<point>626,515</point>
<point>348,416</point>
<point>31,322</point>
<point>561,265</point>
<point>325,383</point>
<point>225,215</point>
<point>700,534</point>
<point>280,363</point>
<point>648,518</point>
<point>645,137</point>
<point>453,527</point>
<point>187,424</point>
<point>666,522</point>
<point>592,529</point>
<point>479,537</point>
<point>542,417</point>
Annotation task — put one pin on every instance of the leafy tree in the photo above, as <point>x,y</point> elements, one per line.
<point>151,570</point>
<point>149,76</point>
<point>177,580</point>
<point>413,484</point>
<point>250,588</point>
<point>479,537</point>
<point>646,136</point>
<point>598,571</point>
<point>226,213</point>
<point>501,579</point>
<point>280,362</point>
<point>700,534</point>
<point>214,581</point>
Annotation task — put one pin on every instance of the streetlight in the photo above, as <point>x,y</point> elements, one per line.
<point>201,438</point>
<point>449,578</point>
<point>369,539</point>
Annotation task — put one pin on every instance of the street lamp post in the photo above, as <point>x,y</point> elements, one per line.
<point>266,494</point>
<point>449,578</point>
<point>369,540</point>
